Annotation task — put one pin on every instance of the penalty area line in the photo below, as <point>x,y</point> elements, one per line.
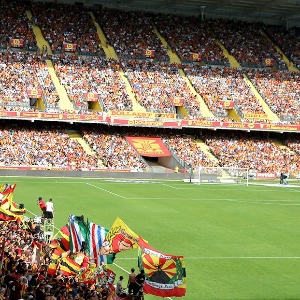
<point>99,188</point>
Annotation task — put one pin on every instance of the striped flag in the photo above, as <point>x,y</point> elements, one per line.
<point>69,267</point>
<point>78,232</point>
<point>55,258</point>
<point>95,238</point>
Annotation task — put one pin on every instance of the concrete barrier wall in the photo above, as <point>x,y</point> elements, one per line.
<point>85,174</point>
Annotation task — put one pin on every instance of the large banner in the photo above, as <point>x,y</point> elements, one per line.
<point>149,53</point>
<point>34,93</point>
<point>146,146</point>
<point>16,43</point>
<point>93,97</point>
<point>165,274</point>
<point>70,47</point>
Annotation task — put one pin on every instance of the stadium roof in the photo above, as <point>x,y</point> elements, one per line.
<point>283,12</point>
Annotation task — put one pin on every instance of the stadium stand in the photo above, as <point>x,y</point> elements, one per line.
<point>108,60</point>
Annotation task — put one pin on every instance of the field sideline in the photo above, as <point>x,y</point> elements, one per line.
<point>239,242</point>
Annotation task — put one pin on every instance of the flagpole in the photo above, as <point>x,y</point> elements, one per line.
<point>129,273</point>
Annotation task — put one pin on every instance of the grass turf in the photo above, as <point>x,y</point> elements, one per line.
<point>239,242</point>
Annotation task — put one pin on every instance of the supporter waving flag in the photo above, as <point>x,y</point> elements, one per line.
<point>119,238</point>
<point>78,232</point>
<point>164,273</point>
<point>96,236</point>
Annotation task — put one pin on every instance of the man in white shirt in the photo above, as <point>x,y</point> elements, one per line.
<point>119,290</point>
<point>49,209</point>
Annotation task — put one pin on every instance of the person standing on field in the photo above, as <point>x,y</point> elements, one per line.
<point>49,209</point>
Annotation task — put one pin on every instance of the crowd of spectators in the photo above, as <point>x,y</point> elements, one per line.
<point>287,40</point>
<point>22,71</point>
<point>24,272</point>
<point>15,24</point>
<point>114,150</point>
<point>256,152</point>
<point>49,147</point>
<point>246,42</point>
<point>131,34</point>
<point>219,84</point>
<point>186,148</point>
<point>71,24</point>
<point>187,35</point>
<point>97,75</point>
<point>281,91</point>
<point>158,85</point>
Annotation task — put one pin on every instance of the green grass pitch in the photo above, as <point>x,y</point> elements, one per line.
<point>239,242</point>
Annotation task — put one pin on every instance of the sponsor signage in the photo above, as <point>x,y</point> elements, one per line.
<point>134,114</point>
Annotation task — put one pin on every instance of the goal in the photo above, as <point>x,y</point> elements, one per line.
<point>222,175</point>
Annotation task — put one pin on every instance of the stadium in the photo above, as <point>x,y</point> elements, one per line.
<point>172,127</point>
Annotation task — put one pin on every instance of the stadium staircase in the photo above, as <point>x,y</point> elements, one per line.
<point>205,149</point>
<point>111,54</point>
<point>64,101</point>
<point>232,61</point>
<point>135,105</point>
<point>270,115</point>
<point>108,49</point>
<point>174,59</point>
<point>40,40</point>
<point>283,147</point>
<point>74,135</point>
<point>289,64</point>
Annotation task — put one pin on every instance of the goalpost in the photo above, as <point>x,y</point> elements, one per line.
<point>222,175</point>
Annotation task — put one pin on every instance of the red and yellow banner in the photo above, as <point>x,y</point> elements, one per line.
<point>269,62</point>
<point>196,56</point>
<point>146,146</point>
<point>16,43</point>
<point>177,101</point>
<point>70,47</point>
<point>149,53</point>
<point>34,93</point>
<point>93,97</point>
<point>227,104</point>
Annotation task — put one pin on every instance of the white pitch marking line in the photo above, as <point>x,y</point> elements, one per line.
<point>99,188</point>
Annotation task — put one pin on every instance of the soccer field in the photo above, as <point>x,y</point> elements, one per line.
<point>239,242</point>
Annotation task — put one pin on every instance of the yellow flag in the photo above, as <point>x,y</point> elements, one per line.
<point>119,238</point>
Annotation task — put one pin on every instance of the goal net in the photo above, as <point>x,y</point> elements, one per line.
<point>221,175</point>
